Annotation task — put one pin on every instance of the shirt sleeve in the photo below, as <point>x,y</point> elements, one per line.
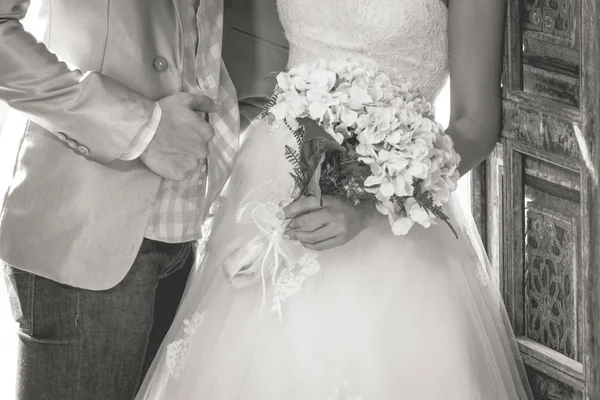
<point>140,141</point>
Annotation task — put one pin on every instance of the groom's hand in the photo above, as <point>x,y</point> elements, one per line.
<point>181,140</point>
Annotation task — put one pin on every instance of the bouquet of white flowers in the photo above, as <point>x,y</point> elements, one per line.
<point>382,146</point>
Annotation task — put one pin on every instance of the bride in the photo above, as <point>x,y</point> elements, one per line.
<point>371,315</point>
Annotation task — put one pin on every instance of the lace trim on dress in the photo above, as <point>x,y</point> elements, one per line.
<point>177,351</point>
<point>289,281</point>
<point>407,39</point>
<point>265,257</point>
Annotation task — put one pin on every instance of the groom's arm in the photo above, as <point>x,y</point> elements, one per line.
<point>90,108</point>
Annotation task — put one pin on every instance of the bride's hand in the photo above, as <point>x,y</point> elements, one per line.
<point>321,228</point>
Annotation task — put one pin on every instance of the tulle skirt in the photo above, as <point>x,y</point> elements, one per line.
<point>384,317</point>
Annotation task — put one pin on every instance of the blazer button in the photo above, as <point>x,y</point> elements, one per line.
<point>61,136</point>
<point>83,150</point>
<point>72,144</point>
<point>160,63</point>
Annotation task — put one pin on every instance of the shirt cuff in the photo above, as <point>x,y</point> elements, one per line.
<point>139,143</point>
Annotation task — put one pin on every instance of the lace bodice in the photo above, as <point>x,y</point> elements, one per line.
<point>406,38</point>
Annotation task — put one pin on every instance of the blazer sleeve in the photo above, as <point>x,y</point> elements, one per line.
<point>92,109</point>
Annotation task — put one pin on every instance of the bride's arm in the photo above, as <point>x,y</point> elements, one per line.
<point>476,39</point>
<point>476,43</point>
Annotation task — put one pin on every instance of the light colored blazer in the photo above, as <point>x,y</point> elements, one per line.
<point>69,209</point>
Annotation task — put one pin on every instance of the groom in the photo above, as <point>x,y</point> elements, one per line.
<point>126,127</point>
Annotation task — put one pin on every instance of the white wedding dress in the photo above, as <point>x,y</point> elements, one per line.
<point>384,317</point>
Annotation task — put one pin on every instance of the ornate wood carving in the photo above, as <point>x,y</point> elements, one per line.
<point>542,129</point>
<point>546,52</point>
<point>590,107</point>
<point>546,173</point>
<point>552,17</point>
<point>549,275</point>
<point>547,388</point>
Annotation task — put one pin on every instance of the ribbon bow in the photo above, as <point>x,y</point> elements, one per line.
<point>264,254</point>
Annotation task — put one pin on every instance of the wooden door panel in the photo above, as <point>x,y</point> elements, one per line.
<point>535,193</point>
<point>551,49</point>
<point>543,289</point>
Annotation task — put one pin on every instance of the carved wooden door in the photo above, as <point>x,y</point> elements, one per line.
<point>535,199</point>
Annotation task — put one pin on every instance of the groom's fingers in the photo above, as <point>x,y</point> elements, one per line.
<point>198,102</point>
<point>203,169</point>
<point>301,206</point>
<point>206,133</point>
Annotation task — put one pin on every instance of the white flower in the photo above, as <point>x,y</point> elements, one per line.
<point>358,94</point>
<point>403,184</point>
<point>399,137</point>
<point>319,102</point>
<point>354,68</point>
<point>389,175</point>
<point>341,121</point>
<point>417,213</point>
<point>348,116</point>
<point>382,90</point>
<point>430,182</point>
<point>419,149</point>
<point>376,124</point>
<point>419,105</point>
<point>304,77</point>
<point>444,142</point>
<point>391,122</point>
<point>336,133</point>
<point>402,225</point>
<point>442,195</point>
<point>289,104</point>
<point>418,169</point>
<point>284,81</point>
<point>427,131</point>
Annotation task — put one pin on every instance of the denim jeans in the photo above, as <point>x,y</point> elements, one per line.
<point>77,344</point>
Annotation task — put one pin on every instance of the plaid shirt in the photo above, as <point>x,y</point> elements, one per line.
<point>181,206</point>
